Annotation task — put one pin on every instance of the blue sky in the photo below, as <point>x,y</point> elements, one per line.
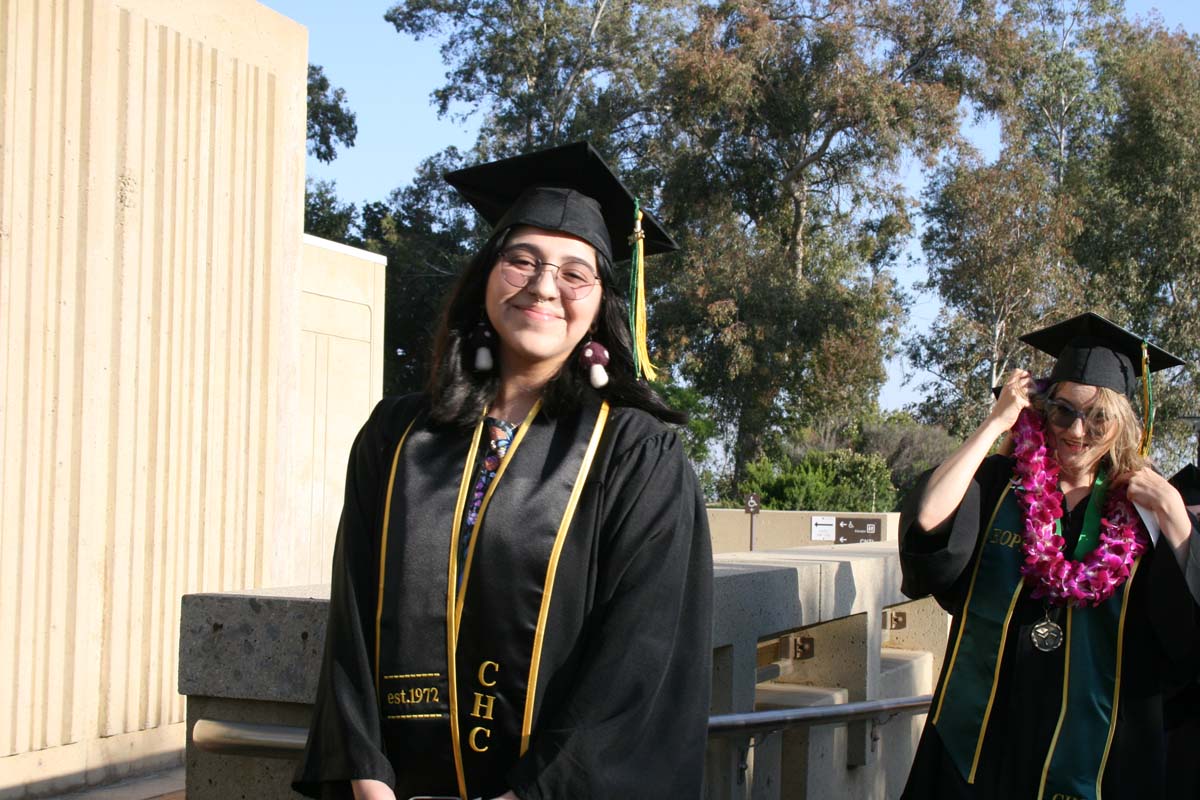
<point>389,77</point>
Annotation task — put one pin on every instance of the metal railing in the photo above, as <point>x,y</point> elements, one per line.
<point>754,722</point>
<point>249,738</point>
<point>287,741</point>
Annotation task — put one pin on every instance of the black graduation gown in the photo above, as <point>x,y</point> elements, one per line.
<point>623,686</point>
<point>1162,640</point>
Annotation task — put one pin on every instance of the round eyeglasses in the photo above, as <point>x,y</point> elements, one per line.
<point>1062,415</point>
<point>519,267</point>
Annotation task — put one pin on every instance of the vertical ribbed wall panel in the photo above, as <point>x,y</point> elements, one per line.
<point>151,189</point>
<point>43,95</point>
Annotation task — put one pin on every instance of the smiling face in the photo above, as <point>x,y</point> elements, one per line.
<point>1077,449</point>
<point>538,327</point>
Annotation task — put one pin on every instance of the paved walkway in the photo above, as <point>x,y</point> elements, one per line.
<point>166,785</point>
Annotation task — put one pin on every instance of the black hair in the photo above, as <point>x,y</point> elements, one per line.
<point>458,393</point>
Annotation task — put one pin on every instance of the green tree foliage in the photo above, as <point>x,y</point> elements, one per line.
<point>549,71</point>
<point>835,480</point>
<point>999,245</point>
<point>1141,248</point>
<point>330,120</point>
<point>427,234</point>
<point>789,107</point>
<point>1041,73</point>
<point>699,434</point>
<point>908,447</point>
<point>996,243</point>
<point>327,216</point>
<point>788,121</point>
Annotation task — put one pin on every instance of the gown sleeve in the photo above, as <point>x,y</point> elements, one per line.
<point>933,562</point>
<point>345,734</point>
<point>1192,574</point>
<point>1172,606</point>
<point>634,724</point>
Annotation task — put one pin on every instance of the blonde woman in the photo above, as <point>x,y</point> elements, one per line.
<point>1063,564</point>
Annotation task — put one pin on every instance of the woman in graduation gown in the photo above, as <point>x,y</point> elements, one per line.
<point>1070,621</point>
<point>521,594</point>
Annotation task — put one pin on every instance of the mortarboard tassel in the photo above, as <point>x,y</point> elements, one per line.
<point>637,300</point>
<point>1147,403</point>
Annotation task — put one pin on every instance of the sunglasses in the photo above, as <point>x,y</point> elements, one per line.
<point>1063,416</point>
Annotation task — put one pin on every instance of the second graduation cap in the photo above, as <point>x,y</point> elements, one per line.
<point>1096,352</point>
<point>569,189</point>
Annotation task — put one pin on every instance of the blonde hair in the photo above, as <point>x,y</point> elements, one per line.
<point>1124,451</point>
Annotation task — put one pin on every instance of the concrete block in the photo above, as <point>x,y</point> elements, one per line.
<point>750,602</point>
<point>263,647</point>
<point>341,379</point>
<point>724,757</point>
<point>926,627</point>
<point>803,749</point>
<point>763,768</point>
<point>903,673</point>
<point>845,655</point>
<point>766,594</point>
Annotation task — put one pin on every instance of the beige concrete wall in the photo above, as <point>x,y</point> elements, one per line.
<point>151,195</point>
<point>341,378</point>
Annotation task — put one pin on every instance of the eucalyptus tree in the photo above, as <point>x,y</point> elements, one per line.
<point>998,247</point>
<point>1140,248</point>
<point>995,246</point>
<point>789,123</point>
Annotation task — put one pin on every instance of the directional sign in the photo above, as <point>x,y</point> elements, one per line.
<point>753,505</point>
<point>852,530</point>
<point>823,529</point>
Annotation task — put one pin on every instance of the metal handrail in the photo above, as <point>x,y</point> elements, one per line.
<point>249,738</point>
<point>287,741</point>
<point>780,719</point>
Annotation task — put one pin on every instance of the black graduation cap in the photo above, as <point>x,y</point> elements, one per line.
<point>1095,352</point>
<point>1187,481</point>
<point>568,189</point>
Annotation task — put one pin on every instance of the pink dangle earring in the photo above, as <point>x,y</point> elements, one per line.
<point>481,340</point>
<point>594,356</point>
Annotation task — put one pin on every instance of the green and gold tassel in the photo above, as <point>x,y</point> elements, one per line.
<point>1147,403</point>
<point>637,300</point>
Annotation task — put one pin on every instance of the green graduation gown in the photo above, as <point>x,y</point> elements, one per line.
<point>1161,642</point>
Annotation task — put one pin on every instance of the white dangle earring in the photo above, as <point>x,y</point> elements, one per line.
<point>481,340</point>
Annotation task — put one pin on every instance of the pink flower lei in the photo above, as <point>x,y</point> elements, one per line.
<point>1052,575</point>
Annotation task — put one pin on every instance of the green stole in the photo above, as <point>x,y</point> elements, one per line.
<point>456,670</point>
<point>1074,765</point>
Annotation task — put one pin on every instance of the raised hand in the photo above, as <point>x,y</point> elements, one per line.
<point>1154,493</point>
<point>1014,398</point>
